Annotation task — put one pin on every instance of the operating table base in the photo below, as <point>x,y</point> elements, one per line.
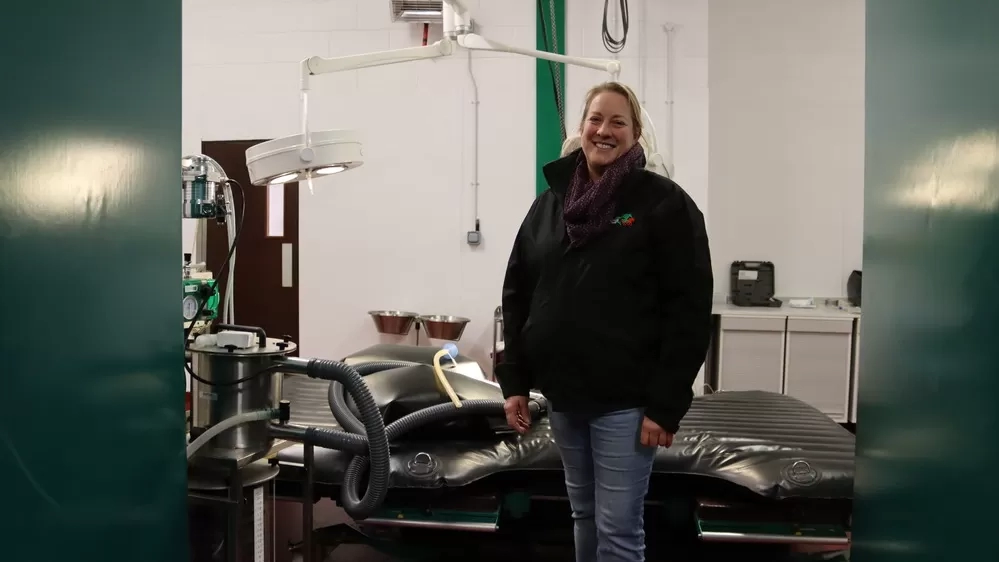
<point>677,529</point>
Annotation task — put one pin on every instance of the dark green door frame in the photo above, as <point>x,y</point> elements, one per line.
<point>928,419</point>
<point>549,128</point>
<point>92,424</point>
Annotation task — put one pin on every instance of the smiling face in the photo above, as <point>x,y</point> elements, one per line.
<point>608,130</point>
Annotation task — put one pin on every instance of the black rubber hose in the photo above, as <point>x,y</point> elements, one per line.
<point>441,412</point>
<point>374,428</point>
<point>338,399</point>
<point>358,444</point>
<point>322,437</point>
<point>338,440</point>
<point>448,411</point>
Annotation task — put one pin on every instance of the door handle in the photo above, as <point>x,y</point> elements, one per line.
<point>287,264</point>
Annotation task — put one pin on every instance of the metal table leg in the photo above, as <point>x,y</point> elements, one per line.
<point>234,517</point>
<point>307,494</point>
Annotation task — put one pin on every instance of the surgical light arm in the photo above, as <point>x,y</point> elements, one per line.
<point>445,47</point>
<point>474,42</point>
<point>298,159</point>
<point>320,65</point>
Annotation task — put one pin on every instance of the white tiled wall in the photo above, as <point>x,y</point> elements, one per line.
<point>643,62</point>
<point>787,140</point>
<point>391,233</point>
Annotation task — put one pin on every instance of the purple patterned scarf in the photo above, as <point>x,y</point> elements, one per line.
<point>589,205</point>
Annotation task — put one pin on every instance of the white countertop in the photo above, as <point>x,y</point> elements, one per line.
<point>821,310</point>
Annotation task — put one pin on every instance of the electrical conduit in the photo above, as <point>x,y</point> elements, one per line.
<point>670,30</point>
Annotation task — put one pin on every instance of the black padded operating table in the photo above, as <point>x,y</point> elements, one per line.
<point>771,445</point>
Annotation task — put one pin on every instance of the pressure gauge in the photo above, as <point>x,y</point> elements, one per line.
<point>190,308</point>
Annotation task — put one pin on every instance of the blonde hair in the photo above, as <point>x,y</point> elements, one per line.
<point>618,88</point>
<point>571,144</point>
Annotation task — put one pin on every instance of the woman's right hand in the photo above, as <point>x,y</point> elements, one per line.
<point>518,415</point>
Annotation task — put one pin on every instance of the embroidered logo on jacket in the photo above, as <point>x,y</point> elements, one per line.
<point>624,220</point>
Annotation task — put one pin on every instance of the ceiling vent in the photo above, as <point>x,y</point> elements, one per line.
<point>418,11</point>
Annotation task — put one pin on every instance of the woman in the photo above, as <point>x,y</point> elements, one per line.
<point>607,311</point>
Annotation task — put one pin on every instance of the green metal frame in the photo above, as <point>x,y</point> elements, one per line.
<point>549,130</point>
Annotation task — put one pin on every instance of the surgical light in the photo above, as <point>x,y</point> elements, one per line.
<point>329,170</point>
<point>309,154</point>
<point>284,179</point>
<point>298,157</point>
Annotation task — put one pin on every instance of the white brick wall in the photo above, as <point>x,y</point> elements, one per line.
<point>787,140</point>
<point>391,233</point>
<point>690,75</point>
<point>399,221</point>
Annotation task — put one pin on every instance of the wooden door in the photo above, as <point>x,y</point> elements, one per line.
<point>266,291</point>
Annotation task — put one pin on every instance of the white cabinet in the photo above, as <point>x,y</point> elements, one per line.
<point>810,354</point>
<point>817,363</point>
<point>751,352</point>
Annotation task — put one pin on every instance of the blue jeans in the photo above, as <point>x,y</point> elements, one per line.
<point>607,474</point>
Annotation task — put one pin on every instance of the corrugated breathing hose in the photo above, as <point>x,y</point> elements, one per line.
<point>441,412</point>
<point>367,439</point>
<point>357,506</point>
<point>338,400</point>
<point>434,414</point>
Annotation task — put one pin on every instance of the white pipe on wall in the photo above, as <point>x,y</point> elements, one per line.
<point>475,142</point>
<point>642,54</point>
<point>670,30</point>
<point>448,18</point>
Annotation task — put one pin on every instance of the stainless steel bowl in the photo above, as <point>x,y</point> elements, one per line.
<point>394,322</point>
<point>442,327</point>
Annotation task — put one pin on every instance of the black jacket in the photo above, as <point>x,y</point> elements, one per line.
<point>623,321</point>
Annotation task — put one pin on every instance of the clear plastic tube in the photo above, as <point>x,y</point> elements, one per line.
<point>225,424</point>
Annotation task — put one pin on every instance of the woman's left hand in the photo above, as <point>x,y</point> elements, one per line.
<point>655,436</point>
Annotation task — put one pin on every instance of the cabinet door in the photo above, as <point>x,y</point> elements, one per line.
<point>751,353</point>
<point>817,366</point>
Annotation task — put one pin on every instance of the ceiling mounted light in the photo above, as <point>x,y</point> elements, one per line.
<point>307,155</point>
<point>291,159</point>
<point>329,170</point>
<point>284,179</point>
